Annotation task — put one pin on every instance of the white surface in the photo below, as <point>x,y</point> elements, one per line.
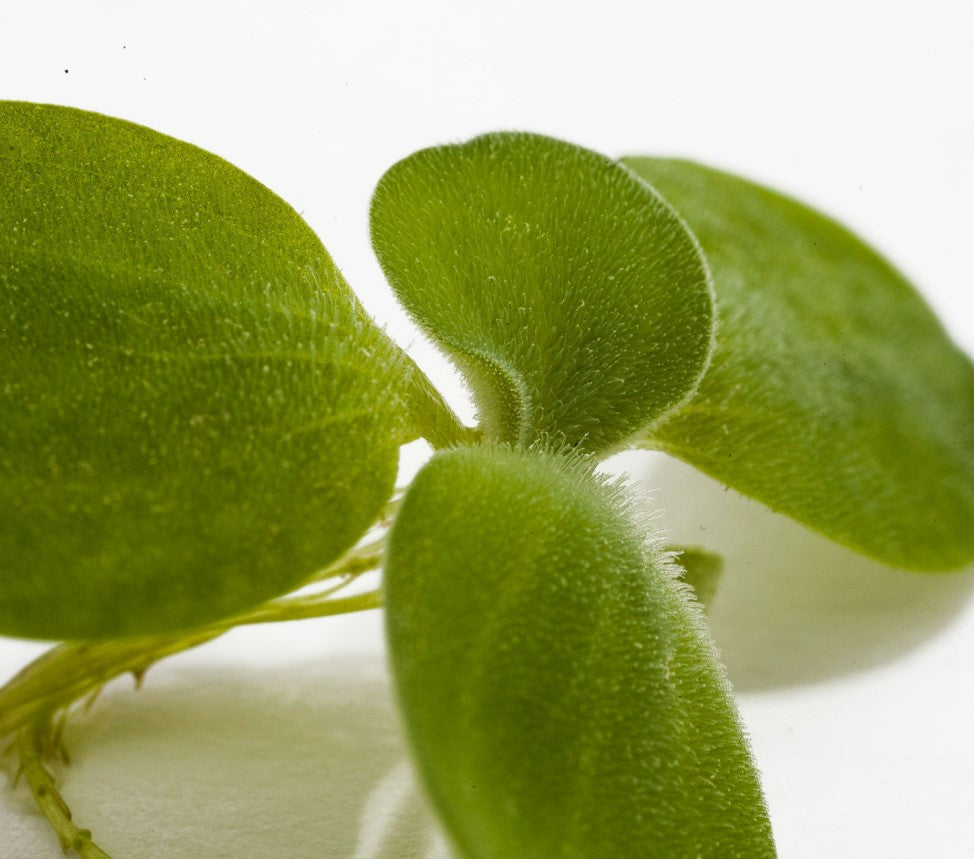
<point>854,681</point>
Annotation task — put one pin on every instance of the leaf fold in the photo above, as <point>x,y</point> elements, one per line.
<point>574,300</point>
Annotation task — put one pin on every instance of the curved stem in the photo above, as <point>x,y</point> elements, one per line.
<point>34,703</point>
<point>68,672</point>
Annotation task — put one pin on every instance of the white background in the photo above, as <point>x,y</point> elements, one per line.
<point>854,681</point>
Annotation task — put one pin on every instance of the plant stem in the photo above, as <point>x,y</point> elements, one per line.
<point>359,560</point>
<point>30,749</point>
<point>34,703</point>
<point>68,672</point>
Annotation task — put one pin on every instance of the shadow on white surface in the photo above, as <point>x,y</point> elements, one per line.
<point>792,607</point>
<point>212,762</point>
<point>220,757</point>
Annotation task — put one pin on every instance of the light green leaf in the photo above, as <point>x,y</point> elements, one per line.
<point>575,301</point>
<point>834,395</point>
<point>557,683</point>
<point>701,570</point>
<point>197,414</point>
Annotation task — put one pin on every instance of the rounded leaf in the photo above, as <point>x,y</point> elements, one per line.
<point>197,414</point>
<point>834,396</point>
<point>558,685</point>
<point>574,299</point>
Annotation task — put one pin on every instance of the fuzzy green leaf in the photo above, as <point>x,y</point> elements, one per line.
<point>197,414</point>
<point>834,396</point>
<point>557,683</point>
<point>574,299</point>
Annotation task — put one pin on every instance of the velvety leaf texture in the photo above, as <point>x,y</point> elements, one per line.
<point>196,413</point>
<point>834,394</point>
<point>574,299</point>
<point>557,683</point>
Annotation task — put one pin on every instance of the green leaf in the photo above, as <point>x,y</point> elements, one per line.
<point>557,683</point>
<point>573,298</point>
<point>834,395</point>
<point>701,570</point>
<point>197,414</point>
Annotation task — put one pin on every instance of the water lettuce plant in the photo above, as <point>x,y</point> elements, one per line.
<point>199,418</point>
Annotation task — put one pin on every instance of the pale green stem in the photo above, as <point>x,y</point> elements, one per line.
<point>300,608</point>
<point>31,702</point>
<point>361,559</point>
<point>30,749</point>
